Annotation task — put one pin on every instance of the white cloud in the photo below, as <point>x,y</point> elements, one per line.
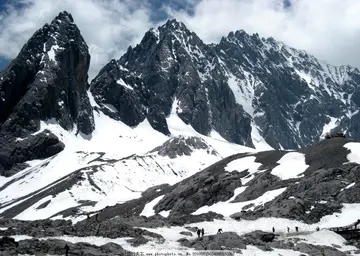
<point>108,27</point>
<point>329,29</point>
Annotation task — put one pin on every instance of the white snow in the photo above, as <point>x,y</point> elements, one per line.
<point>329,126</point>
<point>304,76</point>
<point>121,82</point>
<point>228,208</point>
<point>354,155</point>
<point>291,165</point>
<point>243,94</point>
<point>148,209</point>
<point>258,141</point>
<point>350,185</point>
<point>110,107</point>
<point>244,163</point>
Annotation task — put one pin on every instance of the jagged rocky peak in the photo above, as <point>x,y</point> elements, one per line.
<point>46,82</point>
<point>171,72</point>
<point>50,74</point>
<point>183,145</point>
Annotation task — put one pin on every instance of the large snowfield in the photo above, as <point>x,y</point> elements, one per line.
<point>126,179</point>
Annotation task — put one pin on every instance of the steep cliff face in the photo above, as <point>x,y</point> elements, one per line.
<point>292,97</point>
<point>47,80</point>
<point>247,88</point>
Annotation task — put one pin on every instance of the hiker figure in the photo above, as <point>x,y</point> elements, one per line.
<point>317,228</point>
<point>297,229</point>
<point>273,230</point>
<point>219,231</point>
<point>288,229</point>
<point>198,232</point>
<point>202,232</point>
<point>96,217</point>
<point>88,216</point>
<point>67,250</point>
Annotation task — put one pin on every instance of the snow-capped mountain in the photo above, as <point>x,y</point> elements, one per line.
<point>246,88</point>
<point>168,138</point>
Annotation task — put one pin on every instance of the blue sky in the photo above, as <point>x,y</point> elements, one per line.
<point>329,29</point>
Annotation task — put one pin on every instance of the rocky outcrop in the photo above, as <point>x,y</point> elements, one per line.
<point>114,228</point>
<point>182,145</point>
<point>47,82</point>
<point>57,247</point>
<point>14,152</point>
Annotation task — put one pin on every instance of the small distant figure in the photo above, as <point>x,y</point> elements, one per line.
<point>96,217</point>
<point>317,228</point>
<point>220,231</point>
<point>67,248</point>
<point>198,232</point>
<point>297,229</point>
<point>88,216</point>
<point>202,232</point>
<point>273,229</point>
<point>288,229</point>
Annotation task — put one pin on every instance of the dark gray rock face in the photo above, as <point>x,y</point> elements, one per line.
<point>165,74</point>
<point>113,228</point>
<point>183,145</point>
<point>46,81</point>
<point>231,87</point>
<point>57,247</point>
<point>42,145</point>
<point>223,241</point>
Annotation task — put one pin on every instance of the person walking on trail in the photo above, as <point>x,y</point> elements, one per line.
<point>317,228</point>
<point>67,248</point>
<point>202,232</point>
<point>88,216</point>
<point>288,229</point>
<point>297,229</point>
<point>198,232</point>
<point>97,217</point>
<point>273,230</point>
<point>219,231</point>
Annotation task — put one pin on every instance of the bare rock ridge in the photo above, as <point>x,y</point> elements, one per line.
<point>46,81</point>
<point>183,145</point>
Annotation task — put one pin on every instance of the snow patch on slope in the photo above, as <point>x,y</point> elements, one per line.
<point>258,141</point>
<point>228,208</point>
<point>354,155</point>
<point>329,126</point>
<point>242,96</point>
<point>149,207</point>
<point>291,166</point>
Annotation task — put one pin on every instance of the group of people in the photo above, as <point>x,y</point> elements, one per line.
<point>200,232</point>
<point>296,229</point>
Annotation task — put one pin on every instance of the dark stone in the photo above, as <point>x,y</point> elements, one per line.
<point>47,81</point>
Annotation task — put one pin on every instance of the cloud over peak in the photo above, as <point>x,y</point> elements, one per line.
<point>329,29</point>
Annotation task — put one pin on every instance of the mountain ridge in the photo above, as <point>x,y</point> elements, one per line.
<point>246,72</point>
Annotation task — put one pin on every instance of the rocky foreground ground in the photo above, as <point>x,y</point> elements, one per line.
<point>45,234</point>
